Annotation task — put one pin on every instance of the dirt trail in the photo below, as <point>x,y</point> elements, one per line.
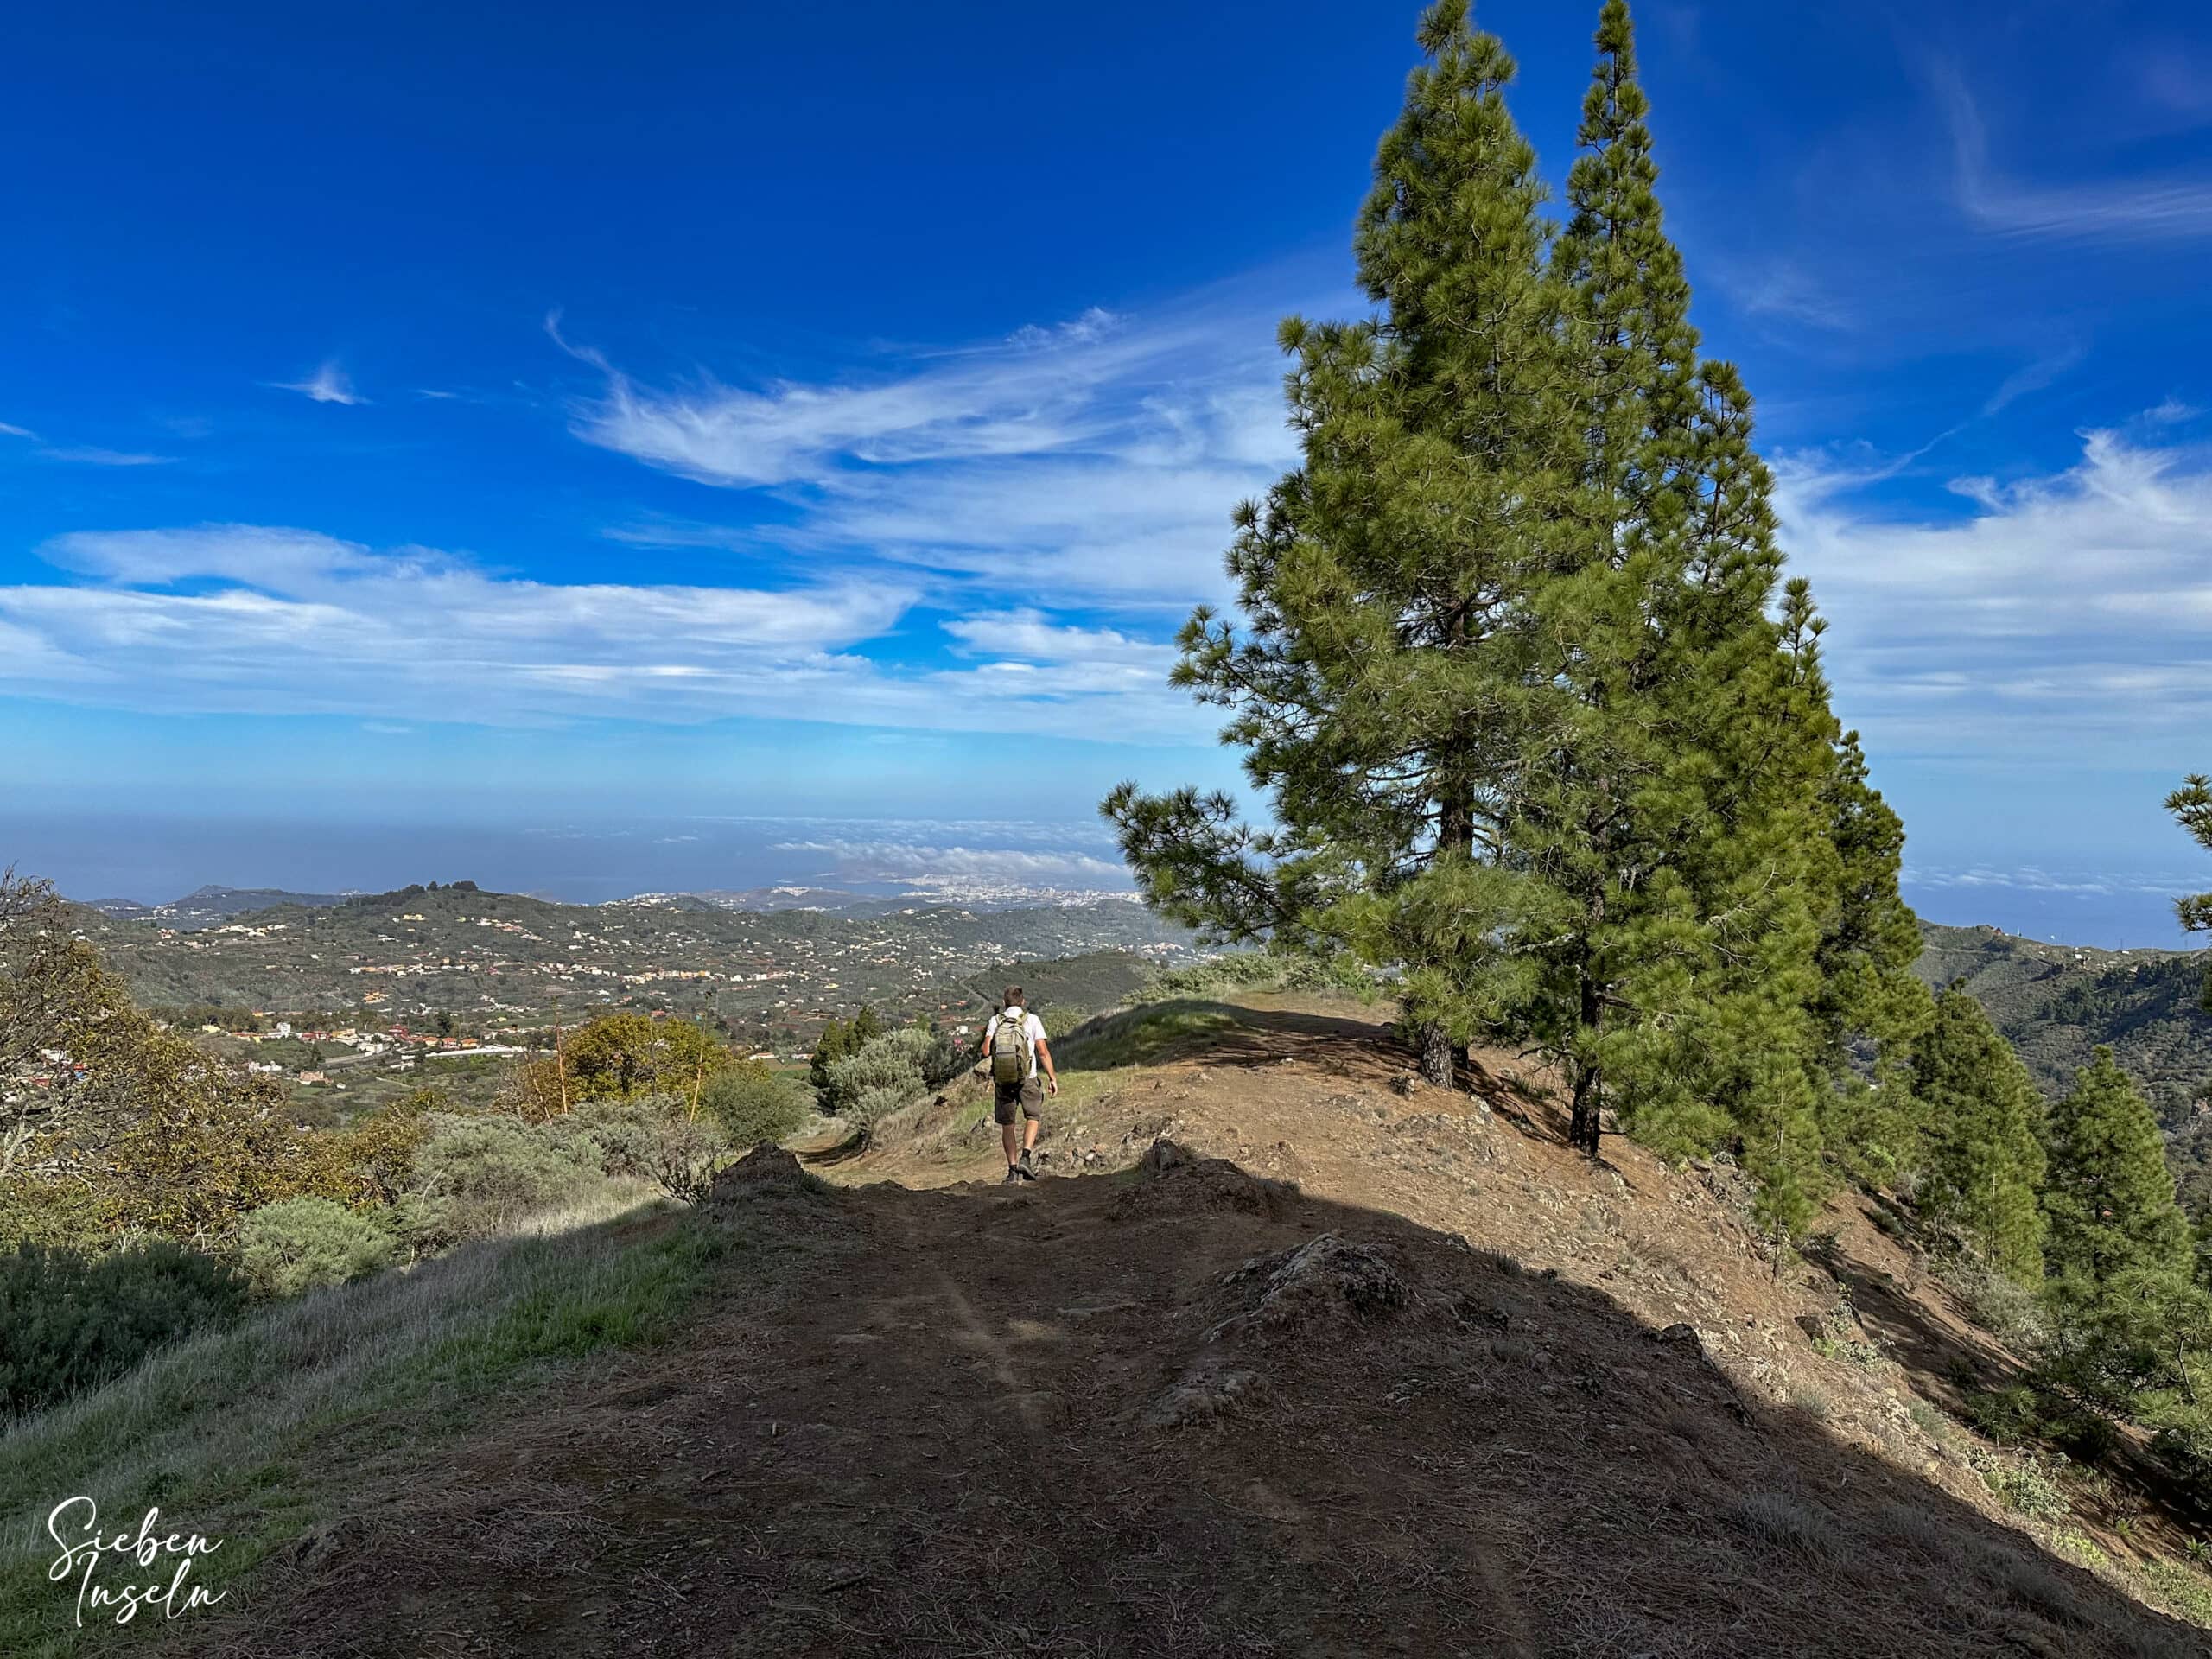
<point>1185,1408</point>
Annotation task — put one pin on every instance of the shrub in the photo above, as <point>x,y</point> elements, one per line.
<point>2186,1592</point>
<point>74,1322</point>
<point>684,1155</point>
<point>2009,1417</point>
<point>653,1139</point>
<point>890,1070</point>
<point>1929,1420</point>
<point>1266,972</point>
<point>751,1102</point>
<point>2022,1485</point>
<point>376,1152</point>
<point>2002,1305</point>
<point>62,1214</point>
<point>871,1108</point>
<point>619,1136</point>
<point>477,1175</point>
<point>303,1244</point>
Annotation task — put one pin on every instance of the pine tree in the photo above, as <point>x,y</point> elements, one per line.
<point>1377,684</point>
<point>2191,805</point>
<point>1871,1004</point>
<point>1512,678</point>
<point>2108,1196</point>
<point>835,1042</point>
<point>1985,1158</point>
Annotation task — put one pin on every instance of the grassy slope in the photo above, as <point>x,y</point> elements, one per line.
<point>255,1436</point>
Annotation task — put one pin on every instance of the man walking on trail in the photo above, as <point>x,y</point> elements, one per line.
<point>1014,1048</point>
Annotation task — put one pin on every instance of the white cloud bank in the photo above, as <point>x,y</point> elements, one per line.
<point>2067,615</point>
<point>236,618</point>
<point>893,861</point>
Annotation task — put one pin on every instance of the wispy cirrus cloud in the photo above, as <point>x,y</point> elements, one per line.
<point>2107,209</point>
<point>1099,460</point>
<point>329,384</point>
<point>93,455</point>
<point>1037,392</point>
<point>82,455</point>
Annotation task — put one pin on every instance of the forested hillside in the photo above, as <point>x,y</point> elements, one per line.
<point>2057,1003</point>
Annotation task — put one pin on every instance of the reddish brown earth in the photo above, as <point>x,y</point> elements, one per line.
<point>1405,1378</point>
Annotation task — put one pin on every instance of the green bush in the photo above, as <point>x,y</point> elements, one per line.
<point>891,1071</point>
<point>478,1175</point>
<point>1929,1420</point>
<point>74,1322</point>
<point>1264,970</point>
<point>303,1244</point>
<point>2008,1416</point>
<point>685,1155</point>
<point>61,1215</point>
<point>2022,1485</point>
<point>752,1102</point>
<point>621,1136</point>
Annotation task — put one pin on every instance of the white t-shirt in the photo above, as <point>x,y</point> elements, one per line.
<point>1032,1028</point>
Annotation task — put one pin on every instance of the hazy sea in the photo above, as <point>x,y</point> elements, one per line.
<point>154,858</point>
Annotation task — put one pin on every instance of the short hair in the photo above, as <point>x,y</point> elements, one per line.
<point>1014,994</point>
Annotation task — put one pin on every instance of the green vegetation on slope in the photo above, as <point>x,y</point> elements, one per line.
<point>252,1434</point>
<point>2057,1004</point>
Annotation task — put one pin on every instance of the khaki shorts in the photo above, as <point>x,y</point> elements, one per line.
<point>1013,1101</point>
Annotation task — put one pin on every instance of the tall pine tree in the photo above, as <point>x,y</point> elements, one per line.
<point>2108,1196</point>
<point>1376,680</point>
<point>1985,1158</point>
<point>1534,731</point>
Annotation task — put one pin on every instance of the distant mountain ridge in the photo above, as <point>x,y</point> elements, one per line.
<point>208,906</point>
<point>2057,1002</point>
<point>212,905</point>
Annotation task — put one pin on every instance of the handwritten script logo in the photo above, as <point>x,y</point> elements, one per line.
<point>74,1522</point>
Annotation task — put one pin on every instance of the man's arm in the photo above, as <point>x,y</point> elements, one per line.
<point>1045,1060</point>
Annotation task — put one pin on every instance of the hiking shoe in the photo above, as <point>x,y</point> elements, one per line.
<point>1028,1160</point>
<point>1022,1170</point>
<point>1013,1176</point>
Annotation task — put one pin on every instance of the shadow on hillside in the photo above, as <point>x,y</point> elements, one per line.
<point>1948,1361</point>
<point>1173,1411</point>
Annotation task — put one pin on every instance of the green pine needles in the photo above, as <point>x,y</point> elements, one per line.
<point>1543,733</point>
<point>2108,1193</point>
<point>1983,1161</point>
<point>2191,805</point>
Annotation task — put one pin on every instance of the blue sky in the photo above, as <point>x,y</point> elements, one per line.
<point>419,418</point>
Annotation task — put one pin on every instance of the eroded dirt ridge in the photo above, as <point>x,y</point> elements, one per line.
<point>1211,1404</point>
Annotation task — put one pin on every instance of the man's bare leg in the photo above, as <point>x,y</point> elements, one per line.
<point>1010,1138</point>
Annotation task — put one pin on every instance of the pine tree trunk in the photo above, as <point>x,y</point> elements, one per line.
<point>1583,1129</point>
<point>1436,1063</point>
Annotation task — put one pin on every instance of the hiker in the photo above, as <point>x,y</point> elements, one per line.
<point>1014,1046</point>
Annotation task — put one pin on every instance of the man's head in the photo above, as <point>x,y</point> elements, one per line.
<point>1014,997</point>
